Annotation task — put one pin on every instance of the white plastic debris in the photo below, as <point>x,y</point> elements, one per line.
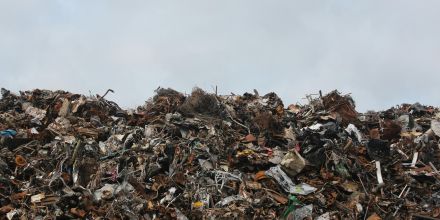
<point>229,199</point>
<point>35,112</point>
<point>326,216</point>
<point>379,173</point>
<point>10,215</point>
<point>435,126</point>
<point>359,207</point>
<point>303,212</point>
<point>106,192</point>
<point>34,131</point>
<point>119,137</point>
<point>293,163</point>
<point>315,127</point>
<point>414,160</point>
<point>102,148</point>
<point>169,195</point>
<point>38,197</point>
<point>351,129</point>
<point>286,183</point>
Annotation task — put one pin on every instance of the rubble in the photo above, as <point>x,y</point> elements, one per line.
<point>210,156</point>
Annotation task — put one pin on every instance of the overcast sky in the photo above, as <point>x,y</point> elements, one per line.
<point>382,52</point>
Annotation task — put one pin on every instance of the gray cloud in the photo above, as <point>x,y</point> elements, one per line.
<point>383,52</point>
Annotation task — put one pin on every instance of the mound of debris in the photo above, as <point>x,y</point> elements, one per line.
<point>209,156</point>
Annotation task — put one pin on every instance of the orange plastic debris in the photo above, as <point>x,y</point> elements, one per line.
<point>20,161</point>
<point>260,175</point>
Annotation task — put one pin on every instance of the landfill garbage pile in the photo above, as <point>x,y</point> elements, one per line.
<point>209,156</point>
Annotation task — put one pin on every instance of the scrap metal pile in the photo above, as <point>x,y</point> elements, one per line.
<point>206,156</point>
